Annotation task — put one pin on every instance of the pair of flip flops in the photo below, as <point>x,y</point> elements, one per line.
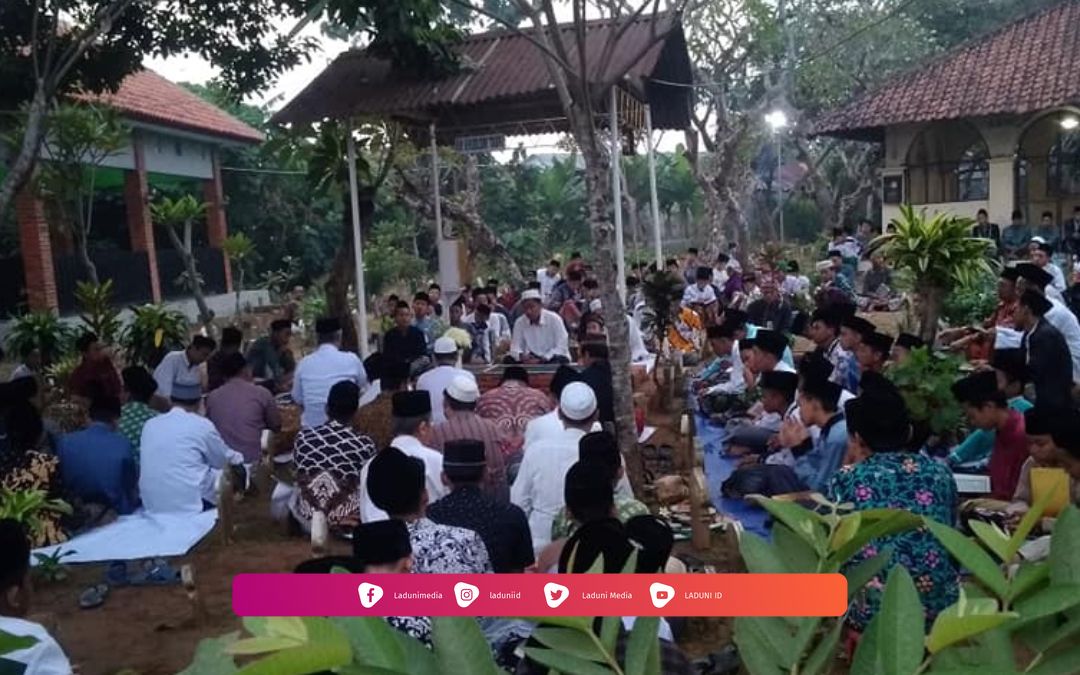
<point>156,572</point>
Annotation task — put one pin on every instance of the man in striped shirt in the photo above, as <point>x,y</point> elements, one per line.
<point>462,423</point>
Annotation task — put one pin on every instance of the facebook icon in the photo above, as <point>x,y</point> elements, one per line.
<point>370,594</point>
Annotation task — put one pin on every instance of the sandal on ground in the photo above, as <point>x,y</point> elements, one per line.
<point>94,596</point>
<point>117,574</point>
<point>156,572</point>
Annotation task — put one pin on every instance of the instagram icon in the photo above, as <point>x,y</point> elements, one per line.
<point>465,594</point>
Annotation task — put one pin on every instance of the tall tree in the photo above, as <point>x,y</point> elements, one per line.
<point>80,138</point>
<point>49,48</point>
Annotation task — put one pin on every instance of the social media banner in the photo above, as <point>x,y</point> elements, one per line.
<point>519,595</point>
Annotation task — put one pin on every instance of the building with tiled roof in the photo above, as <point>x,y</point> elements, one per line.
<point>993,124</point>
<point>176,138</point>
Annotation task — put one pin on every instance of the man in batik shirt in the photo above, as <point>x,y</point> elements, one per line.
<point>396,485</point>
<point>329,459</point>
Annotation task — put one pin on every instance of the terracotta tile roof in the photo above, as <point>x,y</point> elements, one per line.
<point>1026,66</point>
<point>145,96</point>
<point>501,67</point>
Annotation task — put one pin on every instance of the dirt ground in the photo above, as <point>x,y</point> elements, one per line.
<point>153,630</point>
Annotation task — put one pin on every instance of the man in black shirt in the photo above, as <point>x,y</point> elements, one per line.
<point>502,526</point>
<point>597,374</point>
<point>404,342</point>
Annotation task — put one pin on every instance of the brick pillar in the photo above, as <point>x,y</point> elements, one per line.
<point>217,228</point>
<point>140,222</point>
<point>36,252</point>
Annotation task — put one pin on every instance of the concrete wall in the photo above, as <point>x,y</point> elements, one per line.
<point>223,306</point>
<point>175,155</point>
<point>1006,138</point>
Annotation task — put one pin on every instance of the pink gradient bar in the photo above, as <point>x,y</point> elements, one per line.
<point>523,595</point>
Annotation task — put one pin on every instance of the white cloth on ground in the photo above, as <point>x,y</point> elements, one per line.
<point>138,536</point>
<point>44,657</point>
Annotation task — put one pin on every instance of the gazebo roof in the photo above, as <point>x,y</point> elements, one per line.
<point>1024,67</point>
<point>504,87</point>
<point>145,96</point>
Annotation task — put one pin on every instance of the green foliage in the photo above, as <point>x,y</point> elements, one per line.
<point>61,369</point>
<point>925,381</point>
<point>177,211</point>
<point>240,249</point>
<point>314,306</point>
<point>415,35</point>
<point>26,507</point>
<point>1029,603</point>
<point>388,258</point>
<point>43,331</point>
<point>13,643</point>
<point>939,250</point>
<point>970,305</point>
<point>51,568</point>
<point>96,309</point>
<point>153,330</point>
<point>663,292</point>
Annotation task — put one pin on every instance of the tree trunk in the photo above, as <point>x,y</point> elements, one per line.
<point>597,184</point>
<point>478,236</point>
<point>931,298</point>
<point>23,165</point>
<point>82,250</point>
<point>343,271</point>
<point>206,317</point>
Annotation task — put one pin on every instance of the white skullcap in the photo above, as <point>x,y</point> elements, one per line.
<point>464,389</point>
<point>532,294</point>
<point>578,402</point>
<point>445,345</point>
<point>823,265</point>
<point>1038,240</point>
<point>596,305</point>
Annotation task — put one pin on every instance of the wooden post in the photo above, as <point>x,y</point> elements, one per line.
<point>320,533</point>
<point>187,578</point>
<point>225,505</point>
<point>700,532</point>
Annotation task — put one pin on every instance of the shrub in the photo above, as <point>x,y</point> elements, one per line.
<point>43,331</point>
<point>154,330</point>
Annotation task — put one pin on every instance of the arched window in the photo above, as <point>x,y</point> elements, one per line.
<point>1063,167</point>
<point>948,162</point>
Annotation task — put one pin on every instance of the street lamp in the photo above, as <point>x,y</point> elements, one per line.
<point>777,120</point>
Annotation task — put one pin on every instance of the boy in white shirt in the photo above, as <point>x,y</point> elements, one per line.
<point>43,656</point>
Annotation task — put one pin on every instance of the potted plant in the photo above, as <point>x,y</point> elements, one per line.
<point>940,253</point>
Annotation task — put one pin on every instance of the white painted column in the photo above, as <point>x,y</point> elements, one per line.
<point>658,242</point>
<point>1002,190</point>
<point>616,195</point>
<point>358,249</point>
<point>449,269</point>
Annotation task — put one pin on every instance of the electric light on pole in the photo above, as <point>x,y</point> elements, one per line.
<point>777,120</point>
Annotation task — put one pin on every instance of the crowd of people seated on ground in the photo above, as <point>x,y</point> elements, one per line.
<point>426,473</point>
